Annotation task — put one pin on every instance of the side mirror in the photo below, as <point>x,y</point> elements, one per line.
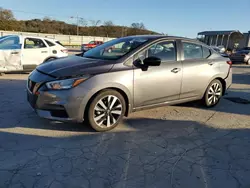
<point>152,61</point>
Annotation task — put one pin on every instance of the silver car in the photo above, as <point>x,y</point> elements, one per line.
<point>139,72</point>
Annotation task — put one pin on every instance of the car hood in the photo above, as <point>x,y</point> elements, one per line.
<point>74,65</point>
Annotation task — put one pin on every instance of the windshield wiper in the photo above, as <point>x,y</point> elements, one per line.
<point>91,57</point>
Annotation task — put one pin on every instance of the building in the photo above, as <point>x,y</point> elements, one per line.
<point>228,39</point>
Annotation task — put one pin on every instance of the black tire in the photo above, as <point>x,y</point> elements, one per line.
<point>210,98</point>
<point>50,59</point>
<point>92,116</point>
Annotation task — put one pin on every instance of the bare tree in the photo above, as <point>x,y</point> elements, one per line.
<point>47,18</point>
<point>162,33</point>
<point>7,20</point>
<point>138,26</point>
<point>94,24</point>
<point>82,22</point>
<point>6,14</point>
<point>108,27</point>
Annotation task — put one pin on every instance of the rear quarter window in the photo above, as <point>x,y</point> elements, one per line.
<point>206,52</point>
<point>59,43</point>
<point>49,43</point>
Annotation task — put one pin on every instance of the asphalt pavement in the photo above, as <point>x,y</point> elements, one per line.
<point>176,146</point>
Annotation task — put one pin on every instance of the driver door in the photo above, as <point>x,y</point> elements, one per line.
<point>10,54</point>
<point>158,84</point>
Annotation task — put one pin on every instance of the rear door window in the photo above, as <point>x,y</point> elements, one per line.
<point>192,51</point>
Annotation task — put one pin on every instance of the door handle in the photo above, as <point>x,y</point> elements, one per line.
<point>44,51</point>
<point>175,70</point>
<point>14,52</point>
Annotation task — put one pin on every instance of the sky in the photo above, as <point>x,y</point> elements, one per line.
<point>173,17</point>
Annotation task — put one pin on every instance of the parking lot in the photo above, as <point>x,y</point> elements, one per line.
<point>176,146</point>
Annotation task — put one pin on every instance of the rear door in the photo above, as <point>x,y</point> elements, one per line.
<point>10,54</point>
<point>51,48</point>
<point>158,84</point>
<point>56,49</point>
<point>34,52</point>
<point>198,69</point>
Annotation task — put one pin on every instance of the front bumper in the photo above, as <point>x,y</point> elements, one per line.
<point>229,79</point>
<point>56,105</point>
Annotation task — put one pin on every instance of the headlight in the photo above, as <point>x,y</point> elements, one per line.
<point>65,84</point>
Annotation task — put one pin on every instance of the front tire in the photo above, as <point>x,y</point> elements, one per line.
<point>106,110</point>
<point>213,93</point>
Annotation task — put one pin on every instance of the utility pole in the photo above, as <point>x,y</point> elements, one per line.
<point>77,25</point>
<point>79,22</point>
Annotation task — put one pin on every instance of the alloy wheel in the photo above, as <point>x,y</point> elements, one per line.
<point>214,93</point>
<point>107,111</point>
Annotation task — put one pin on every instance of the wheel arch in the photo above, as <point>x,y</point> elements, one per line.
<point>223,82</point>
<point>50,57</point>
<point>122,91</point>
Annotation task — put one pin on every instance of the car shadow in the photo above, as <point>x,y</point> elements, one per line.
<point>148,153</point>
<point>236,101</point>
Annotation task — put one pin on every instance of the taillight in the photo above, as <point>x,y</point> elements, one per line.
<point>64,51</point>
<point>230,63</point>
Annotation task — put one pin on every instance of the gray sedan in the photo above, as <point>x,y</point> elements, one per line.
<point>139,72</point>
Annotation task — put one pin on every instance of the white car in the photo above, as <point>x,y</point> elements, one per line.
<point>24,53</point>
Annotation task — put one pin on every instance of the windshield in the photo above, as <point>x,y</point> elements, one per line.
<point>10,42</point>
<point>116,48</point>
<point>1,38</point>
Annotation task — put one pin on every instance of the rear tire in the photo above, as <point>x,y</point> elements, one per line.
<point>50,59</point>
<point>106,110</point>
<point>213,94</point>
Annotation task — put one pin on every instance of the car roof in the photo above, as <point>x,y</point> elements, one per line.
<point>154,37</point>
<point>29,36</point>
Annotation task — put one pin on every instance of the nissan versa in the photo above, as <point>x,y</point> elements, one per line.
<point>125,75</point>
